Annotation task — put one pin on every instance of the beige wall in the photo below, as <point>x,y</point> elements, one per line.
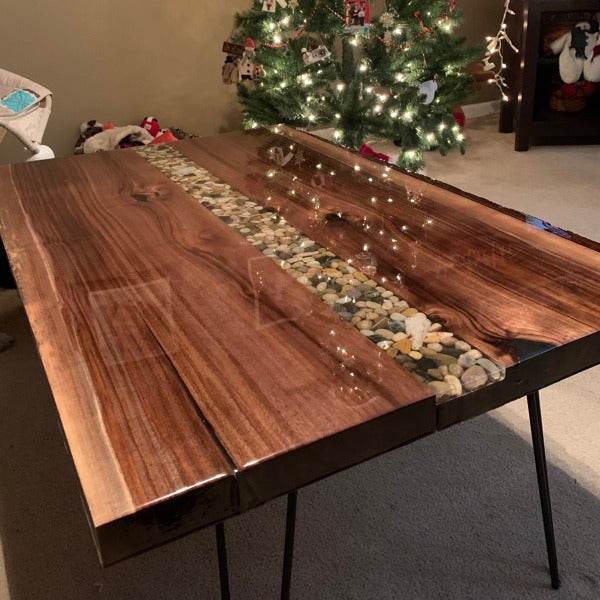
<point>121,60</point>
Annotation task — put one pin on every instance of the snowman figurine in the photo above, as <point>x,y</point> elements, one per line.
<point>246,67</point>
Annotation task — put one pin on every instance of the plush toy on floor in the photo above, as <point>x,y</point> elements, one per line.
<point>97,137</point>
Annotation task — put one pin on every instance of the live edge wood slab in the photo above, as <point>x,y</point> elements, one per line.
<point>192,385</point>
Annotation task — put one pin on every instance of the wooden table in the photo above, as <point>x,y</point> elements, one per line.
<point>227,319</point>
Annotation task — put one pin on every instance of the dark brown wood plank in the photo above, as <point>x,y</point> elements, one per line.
<point>505,286</point>
<point>151,297</point>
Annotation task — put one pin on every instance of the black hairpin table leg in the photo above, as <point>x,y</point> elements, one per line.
<point>537,435</point>
<point>288,555</point>
<point>222,554</point>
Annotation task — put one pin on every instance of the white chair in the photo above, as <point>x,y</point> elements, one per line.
<point>24,111</point>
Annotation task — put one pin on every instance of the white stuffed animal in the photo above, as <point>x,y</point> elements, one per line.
<point>574,48</point>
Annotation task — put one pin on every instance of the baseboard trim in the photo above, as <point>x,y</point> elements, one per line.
<point>481,109</point>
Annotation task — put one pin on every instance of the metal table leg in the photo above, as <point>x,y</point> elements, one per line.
<point>222,554</point>
<point>288,555</point>
<point>537,435</point>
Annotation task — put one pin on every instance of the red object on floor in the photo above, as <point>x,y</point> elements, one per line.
<point>368,151</point>
<point>459,116</point>
<point>163,138</point>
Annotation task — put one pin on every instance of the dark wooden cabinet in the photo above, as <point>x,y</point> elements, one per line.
<point>531,75</point>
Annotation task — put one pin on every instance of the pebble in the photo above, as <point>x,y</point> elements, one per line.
<point>404,346</point>
<point>393,352</point>
<point>455,384</point>
<point>398,337</point>
<point>373,305</point>
<point>303,280</point>
<point>444,370</point>
<point>322,286</point>
<point>366,324</point>
<point>381,324</point>
<point>475,354</point>
<point>387,294</point>
<point>436,373</point>
<point>396,326</point>
<point>448,341</point>
<point>367,332</point>
<point>474,378</point>
<point>386,333</point>
<point>433,338</point>
<point>492,368</point>
<point>466,361</point>
<point>441,388</point>
<point>416,328</point>
<point>435,347</point>
<point>373,315</point>
<point>397,317</point>
<point>462,346</point>
<point>456,370</point>
<point>415,355</point>
<point>410,312</point>
<point>435,327</point>
<point>329,297</point>
<point>386,345</point>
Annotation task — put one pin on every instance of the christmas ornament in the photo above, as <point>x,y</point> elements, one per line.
<point>233,49</point>
<point>315,55</point>
<point>387,19</point>
<point>271,5</point>
<point>230,71</point>
<point>248,69</point>
<point>293,4</point>
<point>358,15</point>
<point>428,89</point>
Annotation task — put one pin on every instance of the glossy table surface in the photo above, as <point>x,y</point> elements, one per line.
<point>226,319</point>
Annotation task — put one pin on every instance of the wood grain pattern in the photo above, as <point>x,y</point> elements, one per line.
<point>144,308</point>
<point>507,287</point>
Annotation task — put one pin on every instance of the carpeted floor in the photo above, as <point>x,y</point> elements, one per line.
<point>455,516</point>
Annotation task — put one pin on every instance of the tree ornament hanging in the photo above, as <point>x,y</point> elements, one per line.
<point>428,89</point>
<point>248,69</point>
<point>271,5</point>
<point>358,16</point>
<point>387,20</point>
<point>315,55</point>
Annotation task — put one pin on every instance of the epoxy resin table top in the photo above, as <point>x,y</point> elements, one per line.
<point>226,319</point>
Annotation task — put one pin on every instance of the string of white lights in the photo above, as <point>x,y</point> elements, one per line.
<point>495,47</point>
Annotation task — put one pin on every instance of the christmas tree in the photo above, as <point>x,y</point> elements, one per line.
<point>396,75</point>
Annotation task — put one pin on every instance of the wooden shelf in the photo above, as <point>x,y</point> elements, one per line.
<point>531,78</point>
